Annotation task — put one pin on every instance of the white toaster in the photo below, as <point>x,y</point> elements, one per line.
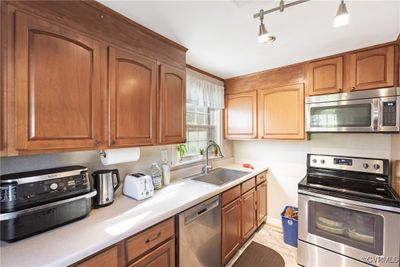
<point>138,186</point>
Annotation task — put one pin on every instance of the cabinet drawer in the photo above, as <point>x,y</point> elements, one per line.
<point>107,258</point>
<point>163,256</point>
<point>139,244</point>
<point>262,177</point>
<point>230,195</point>
<point>249,184</point>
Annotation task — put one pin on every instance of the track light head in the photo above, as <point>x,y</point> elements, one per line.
<point>263,35</point>
<point>342,15</point>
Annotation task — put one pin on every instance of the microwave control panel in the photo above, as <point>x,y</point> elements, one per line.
<point>389,113</point>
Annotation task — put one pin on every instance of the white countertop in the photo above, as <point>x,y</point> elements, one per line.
<point>109,225</point>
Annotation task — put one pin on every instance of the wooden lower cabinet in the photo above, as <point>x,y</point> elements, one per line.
<point>163,256</point>
<point>231,233</point>
<point>248,218</point>
<point>241,214</point>
<point>154,247</point>
<point>147,240</point>
<point>107,258</point>
<point>261,206</point>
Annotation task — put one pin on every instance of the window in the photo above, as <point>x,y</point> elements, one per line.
<point>202,124</point>
<point>204,106</point>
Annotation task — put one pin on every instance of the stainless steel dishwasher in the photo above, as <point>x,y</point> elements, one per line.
<point>200,235</point>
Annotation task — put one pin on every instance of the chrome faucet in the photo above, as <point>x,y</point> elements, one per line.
<point>208,167</point>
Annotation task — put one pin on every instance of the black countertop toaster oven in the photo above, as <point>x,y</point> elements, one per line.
<point>36,201</point>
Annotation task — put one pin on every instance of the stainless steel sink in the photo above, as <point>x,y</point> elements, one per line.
<point>220,176</point>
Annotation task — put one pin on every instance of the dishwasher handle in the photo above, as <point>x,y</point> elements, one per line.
<point>195,213</point>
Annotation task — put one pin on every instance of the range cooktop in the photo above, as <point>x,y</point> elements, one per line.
<point>365,180</point>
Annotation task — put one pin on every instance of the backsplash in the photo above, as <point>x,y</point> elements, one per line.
<point>287,160</point>
<point>91,159</point>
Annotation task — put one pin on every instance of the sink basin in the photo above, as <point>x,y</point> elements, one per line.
<point>220,176</point>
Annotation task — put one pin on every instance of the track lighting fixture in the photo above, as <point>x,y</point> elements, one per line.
<point>342,15</point>
<point>341,18</point>
<point>263,35</point>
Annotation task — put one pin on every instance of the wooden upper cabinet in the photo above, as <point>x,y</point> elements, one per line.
<point>281,112</point>
<point>372,68</point>
<point>172,118</point>
<point>241,115</point>
<point>325,76</point>
<point>57,86</point>
<point>133,99</point>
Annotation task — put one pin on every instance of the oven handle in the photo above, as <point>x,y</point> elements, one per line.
<point>15,214</point>
<point>356,205</point>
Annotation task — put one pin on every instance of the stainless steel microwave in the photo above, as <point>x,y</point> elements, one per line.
<point>365,111</point>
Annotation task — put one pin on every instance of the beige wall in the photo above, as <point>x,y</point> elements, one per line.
<point>287,160</point>
<point>396,162</point>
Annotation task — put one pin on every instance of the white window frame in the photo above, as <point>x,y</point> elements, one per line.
<point>196,157</point>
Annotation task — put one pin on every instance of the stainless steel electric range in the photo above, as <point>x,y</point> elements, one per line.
<point>348,213</point>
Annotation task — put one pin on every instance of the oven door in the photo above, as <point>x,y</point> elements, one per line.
<point>363,233</point>
<point>343,116</point>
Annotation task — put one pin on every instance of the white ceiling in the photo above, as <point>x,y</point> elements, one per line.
<point>222,35</point>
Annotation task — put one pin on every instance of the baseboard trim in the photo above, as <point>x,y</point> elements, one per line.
<point>273,222</point>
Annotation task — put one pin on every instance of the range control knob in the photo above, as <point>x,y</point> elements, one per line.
<point>314,161</point>
<point>53,186</point>
<point>365,165</point>
<point>322,161</point>
<point>376,166</point>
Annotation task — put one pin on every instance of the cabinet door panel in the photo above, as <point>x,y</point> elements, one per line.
<point>163,256</point>
<point>172,105</point>
<point>241,116</point>
<point>372,68</point>
<point>133,99</point>
<point>281,112</point>
<point>57,86</point>
<point>231,234</point>
<point>248,213</point>
<point>261,203</point>
<point>325,76</point>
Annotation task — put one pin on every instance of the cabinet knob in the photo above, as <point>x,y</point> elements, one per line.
<point>97,142</point>
<point>113,142</point>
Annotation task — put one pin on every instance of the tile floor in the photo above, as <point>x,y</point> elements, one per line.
<point>273,238</point>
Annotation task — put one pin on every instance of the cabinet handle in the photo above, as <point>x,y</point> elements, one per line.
<point>148,240</point>
<point>96,142</point>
